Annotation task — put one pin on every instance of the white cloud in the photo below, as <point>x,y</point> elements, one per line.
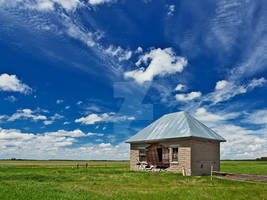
<point>139,50</point>
<point>221,84</point>
<point>79,102</point>
<point>97,2</point>
<point>203,115</point>
<point>56,145</point>
<point>48,122</point>
<point>10,83</point>
<point>66,123</point>
<point>2,117</point>
<point>11,99</point>
<point>56,116</point>
<point>257,117</point>
<point>223,93</point>
<point>67,107</point>
<point>171,10</point>
<point>94,108</point>
<point>59,101</point>
<point>26,114</point>
<point>106,117</point>
<point>53,118</point>
<point>63,133</point>
<point>44,5</point>
<point>67,4</point>
<point>242,143</point>
<point>77,33</point>
<point>95,134</point>
<point>187,97</point>
<point>257,83</point>
<point>180,87</point>
<point>105,145</point>
<point>118,52</point>
<point>90,119</point>
<point>159,62</point>
<point>34,115</point>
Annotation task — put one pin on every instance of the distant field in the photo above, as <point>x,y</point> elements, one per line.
<point>49,180</point>
<point>244,167</point>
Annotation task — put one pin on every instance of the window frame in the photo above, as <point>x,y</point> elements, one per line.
<point>142,154</point>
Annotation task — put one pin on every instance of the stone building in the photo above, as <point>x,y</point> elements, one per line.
<point>176,142</point>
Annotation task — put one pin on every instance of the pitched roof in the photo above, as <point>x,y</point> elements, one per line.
<point>175,125</point>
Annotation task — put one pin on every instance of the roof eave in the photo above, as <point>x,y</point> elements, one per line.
<point>156,140</point>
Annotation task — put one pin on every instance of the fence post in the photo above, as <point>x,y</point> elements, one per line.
<point>211,171</point>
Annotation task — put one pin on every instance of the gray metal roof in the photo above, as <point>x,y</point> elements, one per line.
<point>175,125</point>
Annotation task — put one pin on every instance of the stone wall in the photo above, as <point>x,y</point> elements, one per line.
<point>205,154</point>
<point>184,161</point>
<point>134,157</point>
<point>195,156</point>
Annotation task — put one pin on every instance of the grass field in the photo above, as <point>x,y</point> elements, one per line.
<point>23,180</point>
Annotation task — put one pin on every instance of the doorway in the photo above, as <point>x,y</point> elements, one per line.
<point>159,151</point>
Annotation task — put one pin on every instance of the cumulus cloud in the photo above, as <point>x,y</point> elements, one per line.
<point>56,145</point>
<point>34,115</point>
<point>26,114</point>
<point>104,145</point>
<point>188,97</point>
<point>106,117</point>
<point>242,143</point>
<point>221,84</point>
<point>180,87</point>
<point>10,83</point>
<point>159,62</point>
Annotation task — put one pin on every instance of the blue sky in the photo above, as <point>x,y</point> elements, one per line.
<point>79,77</point>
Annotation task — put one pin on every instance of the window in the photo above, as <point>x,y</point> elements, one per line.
<point>175,154</point>
<point>142,155</point>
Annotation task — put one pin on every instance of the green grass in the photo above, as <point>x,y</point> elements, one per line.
<point>49,180</point>
<point>244,167</point>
